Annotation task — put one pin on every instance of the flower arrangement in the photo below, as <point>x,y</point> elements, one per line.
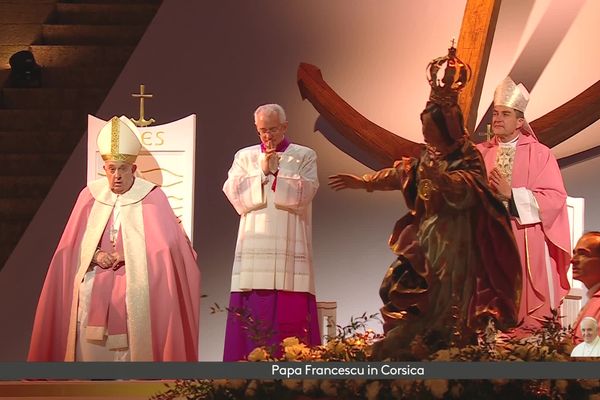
<point>550,342</point>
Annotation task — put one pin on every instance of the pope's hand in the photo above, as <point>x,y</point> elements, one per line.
<point>346,181</point>
<point>104,260</point>
<point>118,260</point>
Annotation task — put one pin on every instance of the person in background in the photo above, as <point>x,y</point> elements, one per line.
<point>524,174</point>
<point>271,185</point>
<point>586,269</point>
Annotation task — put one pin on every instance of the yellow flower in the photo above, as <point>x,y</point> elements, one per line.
<point>251,389</point>
<point>589,383</point>
<point>310,385</point>
<point>373,389</point>
<point>235,384</point>
<point>292,384</point>
<point>437,387</point>
<point>219,383</point>
<point>561,386</point>
<point>457,391</point>
<point>290,341</point>
<point>297,352</point>
<point>258,354</point>
<point>329,387</point>
<point>401,387</point>
<point>355,385</point>
<point>335,346</point>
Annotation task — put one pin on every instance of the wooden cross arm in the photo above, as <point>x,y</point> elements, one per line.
<point>385,146</point>
<point>569,119</point>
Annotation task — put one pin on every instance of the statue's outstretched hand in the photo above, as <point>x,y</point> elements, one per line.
<point>346,181</point>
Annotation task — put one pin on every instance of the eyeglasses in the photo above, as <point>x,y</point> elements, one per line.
<point>264,131</point>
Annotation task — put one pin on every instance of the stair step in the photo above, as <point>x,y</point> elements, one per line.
<point>52,98</point>
<point>25,12</point>
<point>19,209</point>
<point>32,164</point>
<point>92,34</point>
<point>40,120</point>
<point>25,186</point>
<point>80,77</point>
<point>6,51</point>
<point>39,142</point>
<point>156,2</point>
<point>19,34</point>
<point>78,55</point>
<point>104,14</point>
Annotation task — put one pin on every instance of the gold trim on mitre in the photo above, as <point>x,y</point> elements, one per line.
<point>117,140</point>
<point>509,94</point>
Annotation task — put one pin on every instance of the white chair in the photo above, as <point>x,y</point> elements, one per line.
<point>575,299</point>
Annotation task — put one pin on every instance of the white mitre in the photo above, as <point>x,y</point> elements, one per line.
<point>509,94</point>
<point>117,140</point>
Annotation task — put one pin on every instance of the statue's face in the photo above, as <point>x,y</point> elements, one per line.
<point>120,175</point>
<point>505,123</point>
<point>434,137</point>
<point>270,130</point>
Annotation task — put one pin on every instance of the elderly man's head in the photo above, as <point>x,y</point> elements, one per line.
<point>589,329</point>
<point>271,124</point>
<point>586,259</point>
<point>120,175</point>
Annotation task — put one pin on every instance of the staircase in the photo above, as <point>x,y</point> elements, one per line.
<point>82,47</point>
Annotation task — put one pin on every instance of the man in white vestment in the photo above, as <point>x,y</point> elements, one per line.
<point>271,186</point>
<point>590,347</point>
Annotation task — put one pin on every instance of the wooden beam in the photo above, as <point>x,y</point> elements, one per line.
<point>474,45</point>
<point>569,119</point>
<point>385,146</point>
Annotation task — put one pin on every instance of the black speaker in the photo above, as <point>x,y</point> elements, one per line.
<point>24,71</point>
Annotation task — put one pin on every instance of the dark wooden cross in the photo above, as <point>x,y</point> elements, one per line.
<point>474,45</point>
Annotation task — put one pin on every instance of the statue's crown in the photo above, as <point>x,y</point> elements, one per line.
<point>447,76</point>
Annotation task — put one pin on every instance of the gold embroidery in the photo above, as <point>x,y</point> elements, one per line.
<point>114,138</point>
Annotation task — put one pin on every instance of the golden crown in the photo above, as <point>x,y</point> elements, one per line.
<point>447,76</point>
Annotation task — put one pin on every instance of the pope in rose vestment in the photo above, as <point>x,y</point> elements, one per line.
<point>123,284</point>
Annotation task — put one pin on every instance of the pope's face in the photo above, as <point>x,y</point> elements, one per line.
<point>505,123</point>
<point>270,130</point>
<point>120,175</point>
<point>589,330</point>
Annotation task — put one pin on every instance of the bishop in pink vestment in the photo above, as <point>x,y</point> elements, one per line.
<point>536,199</point>
<point>123,283</point>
